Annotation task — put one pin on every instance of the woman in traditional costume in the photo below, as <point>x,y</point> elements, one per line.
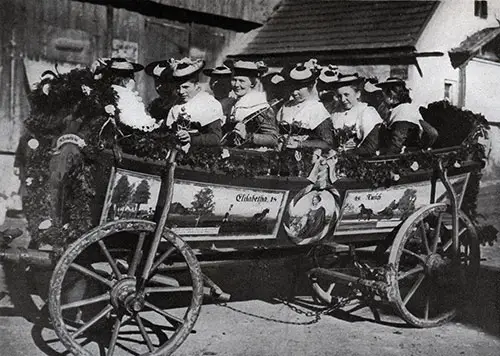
<point>303,120</point>
<point>197,116</point>
<point>161,72</point>
<point>252,121</point>
<point>405,127</point>
<point>358,125</point>
<point>326,88</point>
<point>220,84</point>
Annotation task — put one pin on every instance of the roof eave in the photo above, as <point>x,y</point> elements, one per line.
<point>398,55</point>
<point>155,9</point>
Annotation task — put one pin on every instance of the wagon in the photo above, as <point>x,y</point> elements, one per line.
<point>402,240</point>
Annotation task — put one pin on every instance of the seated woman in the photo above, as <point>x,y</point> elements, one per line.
<point>220,84</point>
<point>303,120</point>
<point>161,72</point>
<point>326,88</point>
<point>251,122</point>
<point>404,125</point>
<point>357,127</point>
<point>197,117</point>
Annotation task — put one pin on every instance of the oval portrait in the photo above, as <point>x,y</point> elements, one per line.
<point>310,215</point>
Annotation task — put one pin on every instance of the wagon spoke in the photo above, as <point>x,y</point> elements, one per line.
<point>427,307</point>
<point>88,301</point>
<point>448,243</point>
<point>92,274</point>
<point>330,288</point>
<point>160,260</point>
<point>414,270</point>
<point>144,333</point>
<point>167,289</point>
<point>114,337</point>
<point>137,254</point>
<point>163,313</point>
<point>413,289</point>
<point>94,320</point>
<point>110,259</point>
<point>424,237</point>
<point>414,254</point>
<point>437,233</point>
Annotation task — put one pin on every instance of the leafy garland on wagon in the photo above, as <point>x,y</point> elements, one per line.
<point>78,102</point>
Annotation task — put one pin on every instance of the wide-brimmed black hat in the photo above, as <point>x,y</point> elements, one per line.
<point>121,66</point>
<point>247,68</point>
<point>348,79</point>
<point>160,69</point>
<point>220,71</point>
<point>301,75</point>
<point>391,82</point>
<point>186,68</point>
<point>329,75</point>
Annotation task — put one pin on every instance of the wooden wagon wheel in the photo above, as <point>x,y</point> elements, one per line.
<point>430,280</point>
<point>153,321</point>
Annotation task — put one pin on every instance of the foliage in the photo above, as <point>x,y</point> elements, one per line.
<point>203,203</point>
<point>142,193</point>
<point>122,192</point>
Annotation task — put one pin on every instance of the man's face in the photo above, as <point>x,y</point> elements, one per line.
<point>187,90</point>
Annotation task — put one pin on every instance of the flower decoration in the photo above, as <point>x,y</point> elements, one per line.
<point>225,153</point>
<point>457,164</point>
<point>415,166</point>
<point>313,65</point>
<point>86,89</point>
<point>29,181</point>
<point>33,143</point>
<point>110,109</point>
<point>298,156</point>
<point>46,89</point>
<point>44,225</point>
<point>395,177</point>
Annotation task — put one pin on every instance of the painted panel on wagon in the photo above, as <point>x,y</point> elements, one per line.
<point>379,211</point>
<point>199,211</point>
<point>206,211</point>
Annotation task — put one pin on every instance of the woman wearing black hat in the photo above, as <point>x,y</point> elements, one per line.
<point>251,121</point>
<point>358,125</point>
<point>197,117</point>
<point>326,88</point>
<point>220,84</point>
<point>405,126</point>
<point>161,72</point>
<point>303,120</point>
<point>132,111</point>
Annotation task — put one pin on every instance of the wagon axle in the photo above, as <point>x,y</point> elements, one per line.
<point>30,256</point>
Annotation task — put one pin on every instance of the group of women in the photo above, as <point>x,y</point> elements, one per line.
<point>306,106</point>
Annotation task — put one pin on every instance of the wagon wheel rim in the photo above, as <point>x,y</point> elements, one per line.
<point>430,280</point>
<point>137,321</point>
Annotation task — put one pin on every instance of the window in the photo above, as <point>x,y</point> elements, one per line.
<point>481,9</point>
<point>449,92</point>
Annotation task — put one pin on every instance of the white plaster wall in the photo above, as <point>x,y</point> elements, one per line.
<point>483,88</point>
<point>452,22</point>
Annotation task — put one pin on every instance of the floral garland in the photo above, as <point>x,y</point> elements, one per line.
<point>95,114</point>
